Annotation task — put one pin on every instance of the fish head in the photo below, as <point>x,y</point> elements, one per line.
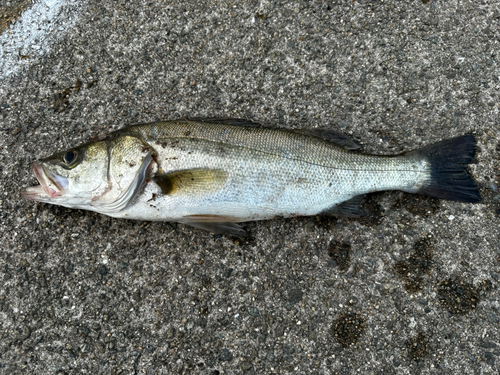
<point>101,176</point>
<point>70,178</point>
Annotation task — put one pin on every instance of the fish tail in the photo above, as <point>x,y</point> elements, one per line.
<point>448,161</point>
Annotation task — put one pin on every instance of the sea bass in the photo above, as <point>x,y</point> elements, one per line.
<point>214,173</point>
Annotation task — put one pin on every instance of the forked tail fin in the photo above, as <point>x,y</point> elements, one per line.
<point>449,177</point>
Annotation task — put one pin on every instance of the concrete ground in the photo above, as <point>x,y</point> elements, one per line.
<point>412,288</point>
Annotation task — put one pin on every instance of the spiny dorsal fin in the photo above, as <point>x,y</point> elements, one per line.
<point>191,181</point>
<point>333,136</point>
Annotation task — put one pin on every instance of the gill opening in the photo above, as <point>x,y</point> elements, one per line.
<point>128,195</point>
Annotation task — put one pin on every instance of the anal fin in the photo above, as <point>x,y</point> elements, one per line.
<point>350,208</point>
<point>228,228</point>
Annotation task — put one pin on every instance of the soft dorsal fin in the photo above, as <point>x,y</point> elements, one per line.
<point>227,121</point>
<point>334,136</point>
<point>191,181</point>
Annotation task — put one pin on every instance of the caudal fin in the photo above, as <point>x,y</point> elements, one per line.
<point>449,177</point>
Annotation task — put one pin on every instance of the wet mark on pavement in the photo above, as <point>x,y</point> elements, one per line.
<point>418,347</point>
<point>340,253</point>
<point>373,210</point>
<point>460,297</point>
<point>348,328</point>
<point>418,204</point>
<point>416,266</point>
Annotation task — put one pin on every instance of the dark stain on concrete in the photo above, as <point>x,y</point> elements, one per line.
<point>460,297</point>
<point>340,254</point>
<point>418,347</point>
<point>416,266</point>
<point>348,328</point>
<point>418,204</point>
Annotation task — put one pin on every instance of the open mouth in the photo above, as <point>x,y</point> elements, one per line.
<point>51,185</point>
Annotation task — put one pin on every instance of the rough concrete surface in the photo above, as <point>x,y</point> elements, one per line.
<point>34,32</point>
<point>413,288</point>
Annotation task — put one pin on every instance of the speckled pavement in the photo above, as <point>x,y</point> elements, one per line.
<point>410,289</point>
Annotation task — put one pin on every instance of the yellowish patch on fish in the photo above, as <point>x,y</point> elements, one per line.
<point>193,181</point>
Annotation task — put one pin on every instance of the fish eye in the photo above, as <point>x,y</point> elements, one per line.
<point>70,157</point>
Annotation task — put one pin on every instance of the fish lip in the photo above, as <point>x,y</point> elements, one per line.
<point>34,193</point>
<point>51,185</point>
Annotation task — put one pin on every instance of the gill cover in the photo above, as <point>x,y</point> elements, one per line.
<point>128,162</point>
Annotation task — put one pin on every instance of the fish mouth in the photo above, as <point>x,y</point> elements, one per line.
<point>51,185</point>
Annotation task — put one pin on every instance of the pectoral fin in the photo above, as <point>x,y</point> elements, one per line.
<point>191,181</point>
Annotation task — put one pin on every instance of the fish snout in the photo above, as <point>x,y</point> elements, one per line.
<point>53,184</point>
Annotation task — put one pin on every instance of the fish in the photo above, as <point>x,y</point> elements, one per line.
<point>215,173</point>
